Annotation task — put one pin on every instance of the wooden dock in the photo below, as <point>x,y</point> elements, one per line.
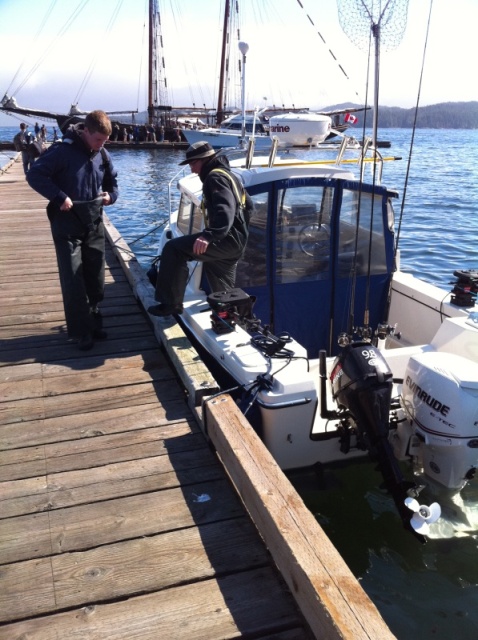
<point>117,517</point>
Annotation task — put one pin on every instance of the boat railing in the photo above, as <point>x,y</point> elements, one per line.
<point>273,152</point>
<point>174,181</point>
<point>376,158</point>
<point>341,151</point>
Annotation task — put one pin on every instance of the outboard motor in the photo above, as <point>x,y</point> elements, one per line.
<point>362,386</point>
<point>440,399</point>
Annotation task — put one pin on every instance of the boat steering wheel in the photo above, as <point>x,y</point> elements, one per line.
<point>314,240</point>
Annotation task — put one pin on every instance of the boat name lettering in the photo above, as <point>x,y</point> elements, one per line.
<point>421,394</point>
<point>279,128</point>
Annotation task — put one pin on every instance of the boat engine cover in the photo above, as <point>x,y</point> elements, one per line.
<point>440,398</point>
<point>362,383</point>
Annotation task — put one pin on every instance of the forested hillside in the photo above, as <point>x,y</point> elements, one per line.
<point>446,115</point>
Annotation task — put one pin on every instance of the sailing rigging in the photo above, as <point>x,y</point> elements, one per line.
<point>160,108</point>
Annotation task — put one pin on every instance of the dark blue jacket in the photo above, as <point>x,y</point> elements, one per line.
<point>70,169</point>
<point>220,202</point>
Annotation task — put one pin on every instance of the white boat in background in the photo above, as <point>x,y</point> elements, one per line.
<point>291,129</point>
<point>300,129</point>
<point>230,133</point>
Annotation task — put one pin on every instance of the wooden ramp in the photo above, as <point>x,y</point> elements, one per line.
<point>117,519</point>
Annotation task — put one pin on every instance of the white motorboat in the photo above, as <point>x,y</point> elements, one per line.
<point>332,351</point>
<point>291,129</point>
<point>335,351</point>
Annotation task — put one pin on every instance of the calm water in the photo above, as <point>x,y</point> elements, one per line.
<point>423,591</point>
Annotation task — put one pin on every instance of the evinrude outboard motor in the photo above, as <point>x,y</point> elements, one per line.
<point>440,400</point>
<point>362,385</point>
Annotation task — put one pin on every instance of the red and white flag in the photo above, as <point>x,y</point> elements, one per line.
<point>350,118</point>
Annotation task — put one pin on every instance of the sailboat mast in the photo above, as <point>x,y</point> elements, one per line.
<point>157,84</point>
<point>222,74</point>
<point>150,62</point>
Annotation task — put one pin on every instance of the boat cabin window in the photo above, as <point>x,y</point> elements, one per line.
<point>236,125</point>
<point>303,233</point>
<point>190,218</point>
<point>361,232</point>
<point>309,243</point>
<point>252,268</point>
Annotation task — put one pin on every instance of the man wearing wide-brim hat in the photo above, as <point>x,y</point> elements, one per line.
<point>221,243</point>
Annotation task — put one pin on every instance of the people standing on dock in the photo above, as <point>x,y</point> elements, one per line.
<point>227,208</point>
<point>151,133</point>
<point>37,130</point>
<point>78,179</point>
<point>20,142</point>
<point>116,132</point>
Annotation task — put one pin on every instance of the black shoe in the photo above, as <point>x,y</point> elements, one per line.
<point>86,342</point>
<point>98,332</point>
<point>162,310</point>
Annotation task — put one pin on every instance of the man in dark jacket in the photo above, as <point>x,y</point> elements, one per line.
<point>219,246</point>
<point>77,177</point>
<point>20,142</point>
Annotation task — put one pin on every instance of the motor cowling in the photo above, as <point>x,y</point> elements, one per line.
<point>440,398</point>
<point>362,383</point>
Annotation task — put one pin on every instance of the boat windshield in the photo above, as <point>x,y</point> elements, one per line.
<point>307,236</point>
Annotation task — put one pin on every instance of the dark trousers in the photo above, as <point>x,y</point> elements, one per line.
<point>220,263</point>
<point>80,254</point>
<point>26,160</point>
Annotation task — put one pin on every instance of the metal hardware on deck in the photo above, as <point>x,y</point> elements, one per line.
<point>250,152</point>
<point>283,405</point>
<point>273,152</point>
<point>342,148</point>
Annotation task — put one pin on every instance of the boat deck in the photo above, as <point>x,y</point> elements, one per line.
<point>117,519</point>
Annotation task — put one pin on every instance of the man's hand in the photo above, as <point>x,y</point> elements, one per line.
<point>67,205</point>
<point>200,246</point>
<point>106,198</point>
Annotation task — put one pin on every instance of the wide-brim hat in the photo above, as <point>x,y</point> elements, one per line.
<point>198,150</point>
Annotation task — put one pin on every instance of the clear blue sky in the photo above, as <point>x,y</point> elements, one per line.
<point>287,63</point>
